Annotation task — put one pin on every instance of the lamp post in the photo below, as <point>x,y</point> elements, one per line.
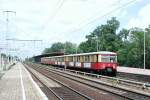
<point>65,66</point>
<point>96,37</point>
<point>1,59</point>
<point>143,47</point>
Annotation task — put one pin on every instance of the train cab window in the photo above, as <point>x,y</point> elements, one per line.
<point>108,58</point>
<point>105,59</point>
<point>113,59</point>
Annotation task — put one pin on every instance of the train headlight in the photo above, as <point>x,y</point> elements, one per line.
<point>114,66</point>
<point>103,66</point>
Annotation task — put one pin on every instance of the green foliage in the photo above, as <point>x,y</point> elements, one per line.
<point>128,44</point>
<point>123,34</point>
<point>67,47</point>
<point>56,47</point>
<point>147,46</point>
<point>106,37</point>
<point>2,54</point>
<point>70,48</point>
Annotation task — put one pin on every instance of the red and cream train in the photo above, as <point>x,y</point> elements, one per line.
<point>100,62</point>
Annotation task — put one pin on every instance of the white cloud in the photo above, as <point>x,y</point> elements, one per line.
<point>142,20</point>
<point>52,20</point>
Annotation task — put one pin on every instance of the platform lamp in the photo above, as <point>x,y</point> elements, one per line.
<point>1,58</point>
<point>132,29</point>
<point>96,37</point>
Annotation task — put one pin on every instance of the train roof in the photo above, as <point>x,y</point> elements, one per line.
<point>90,53</point>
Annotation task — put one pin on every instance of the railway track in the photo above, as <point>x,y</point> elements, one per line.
<point>134,77</point>
<point>47,90</point>
<point>124,80</point>
<point>124,93</point>
<point>60,93</point>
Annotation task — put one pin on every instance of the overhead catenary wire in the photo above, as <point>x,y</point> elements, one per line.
<point>21,40</point>
<point>59,5</point>
<point>81,25</point>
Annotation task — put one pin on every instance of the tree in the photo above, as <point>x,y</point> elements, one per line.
<point>70,48</point>
<point>123,34</point>
<point>67,47</point>
<point>147,46</point>
<point>128,44</point>
<point>106,37</point>
<point>56,47</point>
<point>46,50</point>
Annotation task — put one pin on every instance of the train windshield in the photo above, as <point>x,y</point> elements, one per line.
<point>109,59</point>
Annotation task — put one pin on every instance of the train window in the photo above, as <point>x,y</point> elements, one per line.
<point>93,58</point>
<point>75,59</point>
<point>105,59</point>
<point>113,59</point>
<point>81,58</point>
<point>87,58</point>
<point>108,58</point>
<point>65,59</point>
<point>78,58</point>
<point>62,58</point>
<point>70,58</point>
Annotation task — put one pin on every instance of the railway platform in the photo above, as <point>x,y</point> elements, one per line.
<point>133,70</point>
<point>17,84</point>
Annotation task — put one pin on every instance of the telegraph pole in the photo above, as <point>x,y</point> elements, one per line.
<point>7,21</point>
<point>6,61</point>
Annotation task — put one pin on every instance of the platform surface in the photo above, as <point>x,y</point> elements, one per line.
<point>17,84</point>
<point>133,70</point>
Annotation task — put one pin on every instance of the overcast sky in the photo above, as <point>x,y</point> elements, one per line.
<point>65,20</point>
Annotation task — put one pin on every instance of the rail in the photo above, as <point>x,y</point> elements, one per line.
<point>58,97</point>
<point>141,93</point>
<point>116,80</point>
<point>81,94</point>
<point>111,85</point>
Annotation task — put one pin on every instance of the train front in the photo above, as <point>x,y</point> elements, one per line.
<point>108,63</point>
